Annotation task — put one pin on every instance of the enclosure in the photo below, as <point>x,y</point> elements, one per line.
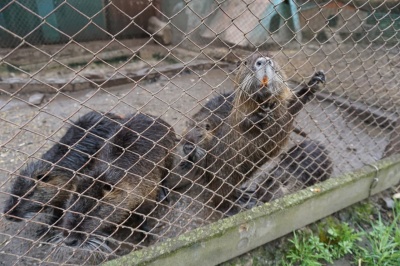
<point>176,62</point>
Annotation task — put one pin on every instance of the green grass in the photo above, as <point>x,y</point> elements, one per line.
<point>5,68</point>
<point>379,245</point>
<point>310,249</point>
<point>370,236</point>
<point>383,243</point>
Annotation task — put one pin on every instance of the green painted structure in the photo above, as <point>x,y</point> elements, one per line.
<point>50,21</point>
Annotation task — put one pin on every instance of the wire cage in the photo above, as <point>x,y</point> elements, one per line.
<point>126,125</point>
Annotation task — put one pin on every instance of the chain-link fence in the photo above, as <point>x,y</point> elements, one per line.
<point>126,123</point>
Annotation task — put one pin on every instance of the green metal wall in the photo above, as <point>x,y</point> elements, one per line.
<point>75,18</point>
<point>70,21</point>
<point>20,19</point>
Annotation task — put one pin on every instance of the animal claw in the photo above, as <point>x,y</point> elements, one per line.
<point>319,76</point>
<point>247,201</point>
<point>248,188</point>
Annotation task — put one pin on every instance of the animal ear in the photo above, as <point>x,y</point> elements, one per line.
<point>107,187</point>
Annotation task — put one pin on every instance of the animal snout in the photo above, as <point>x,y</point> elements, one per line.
<point>72,239</point>
<point>71,242</point>
<point>188,147</point>
<point>11,210</point>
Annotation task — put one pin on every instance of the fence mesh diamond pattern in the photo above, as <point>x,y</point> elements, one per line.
<point>126,123</point>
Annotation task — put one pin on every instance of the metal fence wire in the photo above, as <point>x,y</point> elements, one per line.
<point>125,123</point>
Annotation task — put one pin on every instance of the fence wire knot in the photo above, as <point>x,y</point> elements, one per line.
<point>375,180</point>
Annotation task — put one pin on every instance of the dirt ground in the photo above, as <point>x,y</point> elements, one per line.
<point>27,131</point>
<point>361,71</point>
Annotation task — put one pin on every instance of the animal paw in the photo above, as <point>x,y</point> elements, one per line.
<point>246,198</point>
<point>263,112</point>
<point>318,77</point>
<point>249,187</point>
<point>163,195</point>
<point>246,201</point>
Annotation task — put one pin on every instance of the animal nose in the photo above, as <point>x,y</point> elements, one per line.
<point>71,242</point>
<point>262,61</point>
<point>72,239</point>
<point>188,147</point>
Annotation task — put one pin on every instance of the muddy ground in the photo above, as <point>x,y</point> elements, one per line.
<point>26,131</point>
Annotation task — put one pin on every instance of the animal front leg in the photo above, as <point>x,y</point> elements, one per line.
<point>306,93</point>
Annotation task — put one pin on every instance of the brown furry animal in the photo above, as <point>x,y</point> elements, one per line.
<point>200,128</point>
<point>206,122</point>
<point>254,132</point>
<point>305,164</point>
<point>123,185</point>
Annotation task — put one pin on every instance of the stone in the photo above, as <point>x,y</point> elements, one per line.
<point>36,98</point>
<point>389,203</point>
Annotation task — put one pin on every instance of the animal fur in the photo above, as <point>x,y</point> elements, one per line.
<point>252,133</point>
<point>123,185</point>
<point>45,184</point>
<point>305,164</point>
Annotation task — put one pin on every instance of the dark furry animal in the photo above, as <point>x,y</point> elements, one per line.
<point>200,128</point>
<point>206,122</point>
<point>302,166</point>
<point>123,185</point>
<point>254,131</point>
<point>45,184</point>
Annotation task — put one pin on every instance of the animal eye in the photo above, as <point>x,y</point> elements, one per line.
<point>107,187</point>
<point>44,178</point>
<point>208,127</point>
<point>245,63</point>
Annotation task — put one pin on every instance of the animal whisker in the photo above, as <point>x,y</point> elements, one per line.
<point>29,215</point>
<point>56,239</point>
<point>101,243</point>
<point>96,247</point>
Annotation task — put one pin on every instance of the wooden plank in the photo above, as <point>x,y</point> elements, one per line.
<point>23,86</point>
<point>121,15</point>
<point>81,60</point>
<point>238,234</point>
